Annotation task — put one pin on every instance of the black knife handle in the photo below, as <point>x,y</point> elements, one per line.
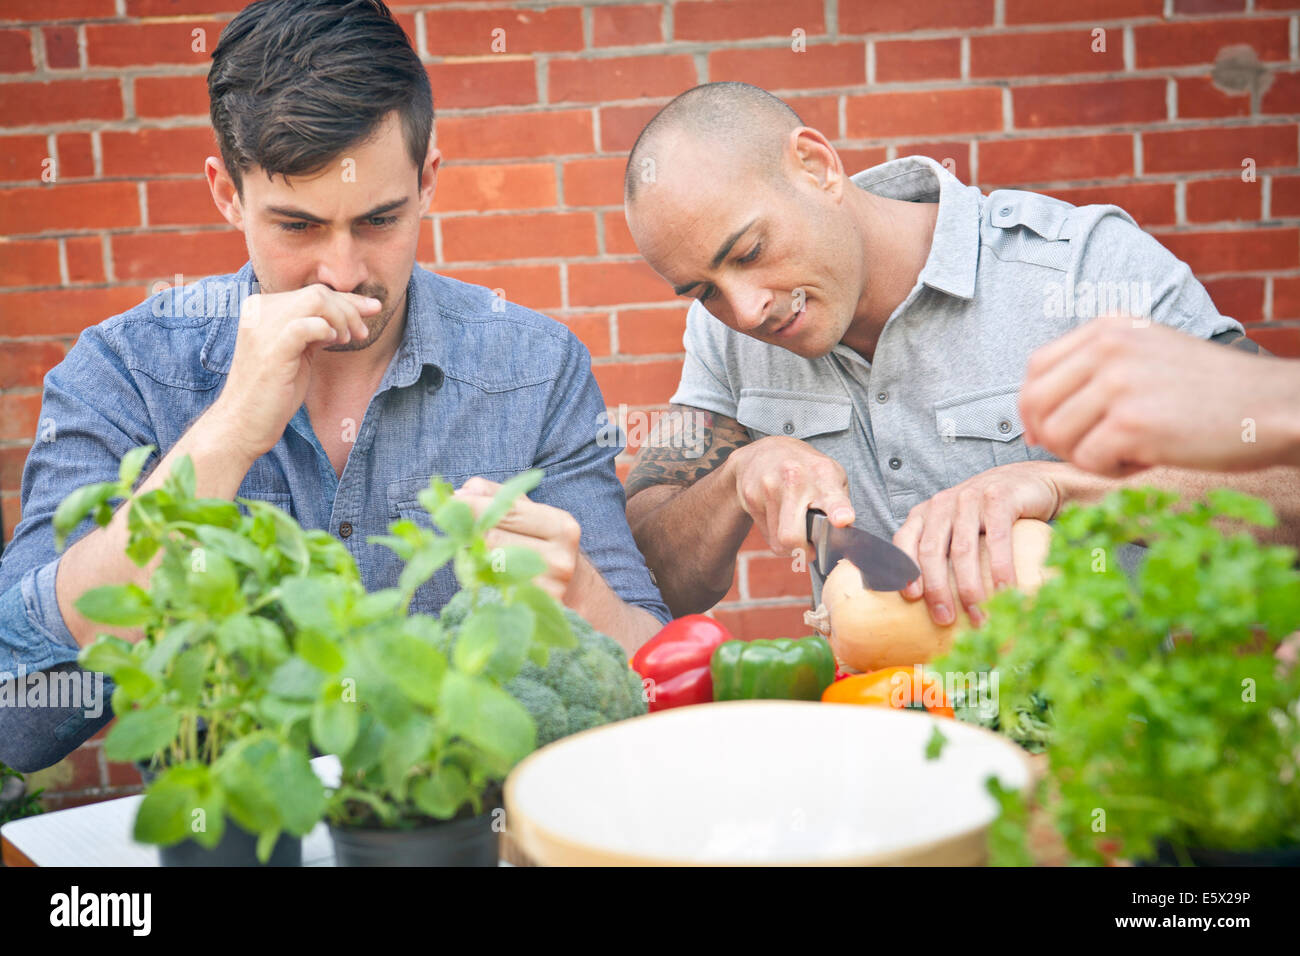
<point>808,522</point>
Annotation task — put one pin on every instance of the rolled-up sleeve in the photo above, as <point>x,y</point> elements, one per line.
<point>91,415</point>
<point>577,450</point>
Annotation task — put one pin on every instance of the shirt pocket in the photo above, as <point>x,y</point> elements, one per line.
<point>799,415</point>
<point>981,430</point>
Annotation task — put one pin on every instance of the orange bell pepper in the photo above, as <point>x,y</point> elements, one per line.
<point>898,687</point>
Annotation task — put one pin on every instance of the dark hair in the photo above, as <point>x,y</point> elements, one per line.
<point>295,82</point>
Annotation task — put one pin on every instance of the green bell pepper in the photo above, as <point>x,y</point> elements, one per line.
<point>783,668</point>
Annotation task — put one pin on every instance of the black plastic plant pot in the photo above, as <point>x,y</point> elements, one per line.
<point>1276,856</point>
<point>469,841</point>
<point>238,847</point>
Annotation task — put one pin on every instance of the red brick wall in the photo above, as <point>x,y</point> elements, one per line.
<point>1011,91</point>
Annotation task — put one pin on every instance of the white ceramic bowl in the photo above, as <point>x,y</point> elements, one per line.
<point>762,782</point>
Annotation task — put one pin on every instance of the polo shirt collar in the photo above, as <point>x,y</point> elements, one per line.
<point>954,252</point>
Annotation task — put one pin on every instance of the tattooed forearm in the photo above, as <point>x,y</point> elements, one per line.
<point>684,445</point>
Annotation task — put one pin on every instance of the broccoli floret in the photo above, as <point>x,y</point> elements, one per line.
<point>580,687</point>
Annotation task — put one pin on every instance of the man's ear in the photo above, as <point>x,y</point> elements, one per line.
<point>814,158</point>
<point>224,194</point>
<point>429,177</point>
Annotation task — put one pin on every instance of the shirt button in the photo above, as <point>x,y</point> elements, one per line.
<point>345,529</point>
<point>435,379</point>
<point>895,463</point>
<point>788,428</point>
<point>1004,426</point>
<point>882,397</point>
<point>1004,212</point>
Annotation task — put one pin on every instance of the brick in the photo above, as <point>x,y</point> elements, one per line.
<point>1242,297</point>
<point>1185,7</point>
<point>621,125</point>
<point>471,32</point>
<point>1151,204</point>
<point>64,206</point>
<point>820,112</point>
<point>171,96</point>
<point>733,593</point>
<point>594,182</point>
<point>1214,148</point>
<point>615,283</point>
<point>1108,103</point>
<point>781,68</point>
<point>76,156</point>
<point>85,255</point>
<point>1082,11</point>
<point>178,8</point>
<point>63,311</point>
<point>899,61</point>
<point>1039,53</point>
<point>529,135</point>
<point>638,383</point>
<point>157,152</point>
<point>1224,200</point>
<point>1199,41</point>
<point>181,202</point>
<point>915,15</point>
<point>622,469</point>
<point>1057,159</point>
<point>765,621</point>
<point>1199,98</point>
<point>537,287</point>
<point>24,364</point>
<point>771,577</point>
<point>63,10</point>
<point>544,235</point>
<point>29,262</point>
<point>11,513</point>
<point>16,51</point>
<point>13,459</point>
<point>618,239</point>
<point>1283,96</point>
<point>1286,297</point>
<point>586,80</point>
<point>60,101</point>
<point>164,254</point>
<point>924,113</point>
<point>1282,342</point>
<point>123,774</point>
<point>495,186</point>
<point>149,44</point>
<point>592,329</point>
<point>19,415</point>
<point>715,21</point>
<point>1285,200</point>
<point>855,160</point>
<point>955,156</point>
<point>627,26</point>
<point>61,52</point>
<point>21,156</point>
<point>497,81</point>
<point>651,331</point>
<point>1238,250</point>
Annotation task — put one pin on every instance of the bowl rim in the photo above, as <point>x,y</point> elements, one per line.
<point>526,830</point>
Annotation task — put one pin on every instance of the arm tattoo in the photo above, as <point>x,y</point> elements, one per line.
<point>684,445</point>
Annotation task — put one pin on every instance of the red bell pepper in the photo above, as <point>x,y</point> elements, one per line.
<point>676,661</point>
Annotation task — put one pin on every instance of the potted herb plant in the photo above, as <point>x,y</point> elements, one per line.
<point>206,698</point>
<point>1169,721</point>
<point>422,723</point>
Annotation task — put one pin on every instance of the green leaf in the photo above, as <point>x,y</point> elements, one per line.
<point>484,714</point>
<point>212,582</point>
<point>307,601</point>
<point>188,673</point>
<point>132,464</point>
<point>506,496</point>
<point>442,793</point>
<point>77,506</point>
<point>424,563</point>
<point>141,733</point>
<point>513,565</point>
<point>413,665</point>
<point>335,722</point>
<point>295,679</point>
<point>319,651</point>
<point>106,655</point>
<point>209,513</point>
<point>402,749</point>
<point>934,746</point>
<point>237,548</point>
<point>119,605</point>
<point>184,802</point>
<point>142,549</point>
<point>180,483</point>
<point>552,628</point>
<point>496,634</point>
<point>456,518</point>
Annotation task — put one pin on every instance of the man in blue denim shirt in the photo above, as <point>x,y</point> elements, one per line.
<point>330,376</point>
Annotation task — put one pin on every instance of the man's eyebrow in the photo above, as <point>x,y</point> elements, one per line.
<point>717,259</point>
<point>379,210</point>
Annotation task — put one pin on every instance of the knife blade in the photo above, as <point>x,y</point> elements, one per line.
<point>883,566</point>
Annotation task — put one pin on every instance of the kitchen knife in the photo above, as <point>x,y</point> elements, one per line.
<point>883,566</point>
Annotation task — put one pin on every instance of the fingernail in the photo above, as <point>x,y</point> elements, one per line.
<point>942,614</point>
<point>372,301</point>
<point>365,330</point>
<point>842,514</point>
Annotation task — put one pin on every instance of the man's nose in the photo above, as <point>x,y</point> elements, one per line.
<point>341,266</point>
<point>750,308</point>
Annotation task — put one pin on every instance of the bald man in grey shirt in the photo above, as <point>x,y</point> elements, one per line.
<point>857,344</point>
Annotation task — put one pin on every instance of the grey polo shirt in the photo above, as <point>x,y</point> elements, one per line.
<point>1006,273</point>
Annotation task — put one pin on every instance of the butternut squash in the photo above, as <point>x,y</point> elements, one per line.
<point>869,630</point>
